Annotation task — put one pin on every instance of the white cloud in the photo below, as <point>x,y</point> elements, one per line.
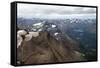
<point>34,10</point>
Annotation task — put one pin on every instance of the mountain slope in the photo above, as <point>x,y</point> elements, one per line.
<point>45,49</point>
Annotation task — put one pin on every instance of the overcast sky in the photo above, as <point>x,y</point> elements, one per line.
<point>49,11</point>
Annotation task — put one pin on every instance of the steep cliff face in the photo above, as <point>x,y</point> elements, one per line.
<point>46,49</point>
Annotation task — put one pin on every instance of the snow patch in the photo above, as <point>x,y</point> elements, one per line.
<point>21,32</point>
<point>37,24</point>
<point>30,35</point>
<point>56,33</point>
<point>53,26</point>
<point>19,40</point>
